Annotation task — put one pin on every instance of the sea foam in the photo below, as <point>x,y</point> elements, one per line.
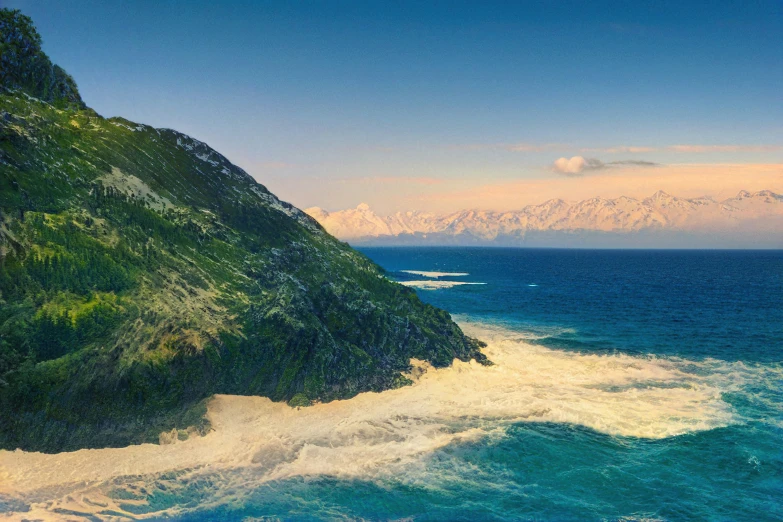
<point>436,285</point>
<point>435,274</point>
<point>375,435</point>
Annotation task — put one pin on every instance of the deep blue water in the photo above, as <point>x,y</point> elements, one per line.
<point>721,304</point>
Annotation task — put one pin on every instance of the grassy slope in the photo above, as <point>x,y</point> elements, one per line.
<point>141,272</point>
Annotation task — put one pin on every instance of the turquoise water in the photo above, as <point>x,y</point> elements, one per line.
<point>714,313</point>
<point>627,386</point>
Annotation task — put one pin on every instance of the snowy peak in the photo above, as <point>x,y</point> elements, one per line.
<point>352,223</point>
<point>661,211</point>
<point>660,198</point>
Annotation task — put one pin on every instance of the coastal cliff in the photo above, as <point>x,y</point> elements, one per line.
<point>142,272</point>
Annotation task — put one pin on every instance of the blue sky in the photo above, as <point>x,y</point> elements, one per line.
<point>333,103</point>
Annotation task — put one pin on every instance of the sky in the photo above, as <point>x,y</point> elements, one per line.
<point>445,105</point>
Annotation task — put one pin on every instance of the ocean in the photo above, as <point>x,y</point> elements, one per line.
<point>626,386</point>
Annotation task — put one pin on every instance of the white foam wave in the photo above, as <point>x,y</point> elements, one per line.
<point>435,274</point>
<point>377,434</point>
<point>436,285</point>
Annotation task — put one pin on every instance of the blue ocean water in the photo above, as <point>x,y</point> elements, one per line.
<point>716,313</point>
<point>628,386</point>
<point>722,304</point>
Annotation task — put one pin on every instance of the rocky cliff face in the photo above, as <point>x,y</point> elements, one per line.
<point>23,65</point>
<point>141,272</point>
<point>661,213</point>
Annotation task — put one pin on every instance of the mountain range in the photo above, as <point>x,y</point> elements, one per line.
<point>141,272</point>
<point>756,218</point>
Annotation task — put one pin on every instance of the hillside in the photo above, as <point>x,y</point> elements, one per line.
<point>141,272</point>
<point>760,213</point>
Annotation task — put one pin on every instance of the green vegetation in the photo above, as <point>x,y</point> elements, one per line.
<point>142,272</point>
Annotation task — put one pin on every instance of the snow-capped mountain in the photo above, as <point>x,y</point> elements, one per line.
<point>760,212</point>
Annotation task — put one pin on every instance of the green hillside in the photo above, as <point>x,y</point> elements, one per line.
<point>142,272</point>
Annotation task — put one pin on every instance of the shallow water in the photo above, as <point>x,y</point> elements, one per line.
<point>552,431</point>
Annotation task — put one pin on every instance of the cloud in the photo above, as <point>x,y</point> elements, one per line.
<point>578,164</point>
<point>635,163</point>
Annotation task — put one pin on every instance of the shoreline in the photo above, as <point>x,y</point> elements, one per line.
<point>376,434</point>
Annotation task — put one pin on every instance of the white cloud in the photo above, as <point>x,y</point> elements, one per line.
<point>578,164</point>
<point>575,165</point>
